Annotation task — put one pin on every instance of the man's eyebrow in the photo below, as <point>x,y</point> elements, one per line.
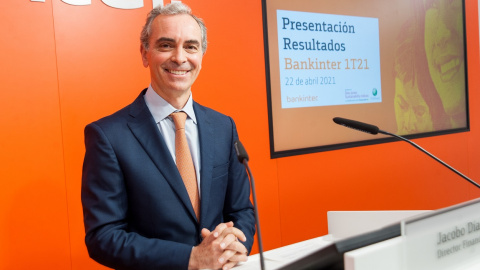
<point>193,41</point>
<point>163,39</point>
<point>171,40</point>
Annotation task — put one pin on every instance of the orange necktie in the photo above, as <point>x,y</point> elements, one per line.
<point>184,160</point>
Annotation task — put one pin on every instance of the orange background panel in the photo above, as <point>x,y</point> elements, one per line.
<point>64,66</point>
<point>99,71</point>
<point>34,225</point>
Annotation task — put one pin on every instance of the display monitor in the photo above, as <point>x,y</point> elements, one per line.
<point>397,64</point>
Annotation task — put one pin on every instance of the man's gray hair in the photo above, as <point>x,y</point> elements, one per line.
<point>174,8</point>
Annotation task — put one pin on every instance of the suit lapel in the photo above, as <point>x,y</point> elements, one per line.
<point>145,129</point>
<point>207,143</point>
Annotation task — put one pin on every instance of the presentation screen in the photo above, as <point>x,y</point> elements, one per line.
<point>397,64</point>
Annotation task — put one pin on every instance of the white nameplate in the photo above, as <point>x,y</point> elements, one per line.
<point>448,238</point>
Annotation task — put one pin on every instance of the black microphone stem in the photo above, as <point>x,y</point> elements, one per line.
<point>432,156</point>
<point>259,236</point>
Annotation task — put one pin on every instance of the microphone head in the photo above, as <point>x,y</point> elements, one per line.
<point>356,125</point>
<point>241,152</point>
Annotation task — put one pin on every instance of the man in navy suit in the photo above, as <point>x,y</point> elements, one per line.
<point>137,211</point>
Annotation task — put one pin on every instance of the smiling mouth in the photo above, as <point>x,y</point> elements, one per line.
<point>177,72</point>
<point>448,68</point>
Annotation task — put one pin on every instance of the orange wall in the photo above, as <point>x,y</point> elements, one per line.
<point>63,66</point>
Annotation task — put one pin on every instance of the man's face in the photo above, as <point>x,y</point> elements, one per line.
<point>444,49</point>
<point>174,54</point>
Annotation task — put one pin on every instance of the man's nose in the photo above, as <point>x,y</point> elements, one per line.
<point>179,56</point>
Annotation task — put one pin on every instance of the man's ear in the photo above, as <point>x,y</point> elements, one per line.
<point>143,52</point>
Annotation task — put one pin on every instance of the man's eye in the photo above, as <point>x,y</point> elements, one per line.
<point>164,46</point>
<point>191,48</point>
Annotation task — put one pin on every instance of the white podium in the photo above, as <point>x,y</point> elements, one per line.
<point>443,239</point>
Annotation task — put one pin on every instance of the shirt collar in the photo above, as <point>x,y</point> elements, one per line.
<point>161,109</point>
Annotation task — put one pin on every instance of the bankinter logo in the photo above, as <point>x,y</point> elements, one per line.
<point>121,4</point>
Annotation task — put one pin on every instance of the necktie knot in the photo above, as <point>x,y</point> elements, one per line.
<point>179,119</point>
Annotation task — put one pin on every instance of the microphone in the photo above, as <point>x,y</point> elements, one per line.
<point>356,125</point>
<point>375,130</point>
<point>241,152</point>
<point>243,158</point>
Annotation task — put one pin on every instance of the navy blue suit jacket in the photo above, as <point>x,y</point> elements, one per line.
<point>137,212</point>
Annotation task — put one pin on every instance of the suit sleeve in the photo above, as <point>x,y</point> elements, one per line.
<point>238,207</point>
<point>105,207</point>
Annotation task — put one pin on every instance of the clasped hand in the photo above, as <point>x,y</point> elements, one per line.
<point>220,248</point>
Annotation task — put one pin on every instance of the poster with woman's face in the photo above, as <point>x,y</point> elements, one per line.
<point>430,69</point>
